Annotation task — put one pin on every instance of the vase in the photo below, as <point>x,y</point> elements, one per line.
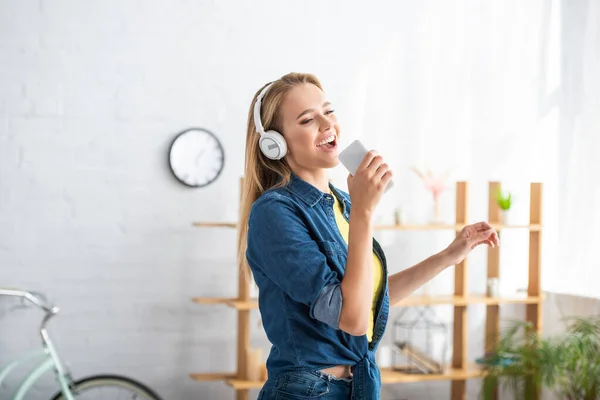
<point>506,219</point>
<point>399,216</point>
<point>436,217</point>
<point>493,287</point>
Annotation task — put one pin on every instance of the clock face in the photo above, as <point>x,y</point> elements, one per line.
<point>196,157</point>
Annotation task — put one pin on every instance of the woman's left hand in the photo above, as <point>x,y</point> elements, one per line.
<point>467,239</point>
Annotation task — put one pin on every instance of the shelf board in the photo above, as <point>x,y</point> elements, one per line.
<point>213,300</point>
<point>244,305</point>
<point>240,384</point>
<point>229,301</point>
<point>469,299</point>
<point>403,227</point>
<point>454,227</point>
<point>214,224</point>
<point>408,302</point>
<point>531,227</point>
<point>418,227</point>
<point>388,376</point>
<point>212,376</point>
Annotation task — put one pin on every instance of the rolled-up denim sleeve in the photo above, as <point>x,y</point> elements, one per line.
<point>280,246</point>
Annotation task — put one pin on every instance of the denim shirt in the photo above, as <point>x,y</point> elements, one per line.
<point>298,257</point>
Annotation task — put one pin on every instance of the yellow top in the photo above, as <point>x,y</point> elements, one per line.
<point>344,228</point>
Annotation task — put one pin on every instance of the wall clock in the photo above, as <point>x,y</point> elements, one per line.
<point>196,157</point>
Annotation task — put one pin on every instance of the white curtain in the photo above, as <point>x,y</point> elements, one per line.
<point>578,266</point>
<point>500,90</point>
<point>468,87</point>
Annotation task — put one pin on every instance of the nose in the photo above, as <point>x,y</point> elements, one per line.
<point>325,123</point>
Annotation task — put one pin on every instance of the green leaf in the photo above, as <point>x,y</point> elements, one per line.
<point>504,200</point>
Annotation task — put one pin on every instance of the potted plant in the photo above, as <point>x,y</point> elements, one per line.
<point>504,201</point>
<point>578,371</point>
<point>520,362</point>
<point>524,363</point>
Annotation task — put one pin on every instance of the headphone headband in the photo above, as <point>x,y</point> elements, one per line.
<point>257,120</point>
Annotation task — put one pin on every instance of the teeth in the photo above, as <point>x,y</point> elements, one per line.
<point>328,140</point>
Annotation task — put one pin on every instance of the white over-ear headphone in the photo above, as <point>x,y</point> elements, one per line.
<point>271,143</point>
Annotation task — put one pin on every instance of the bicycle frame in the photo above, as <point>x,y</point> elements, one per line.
<point>48,356</point>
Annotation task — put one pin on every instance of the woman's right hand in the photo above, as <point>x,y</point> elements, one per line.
<point>367,185</point>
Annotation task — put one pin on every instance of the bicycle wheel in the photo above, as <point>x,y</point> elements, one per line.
<point>114,387</point>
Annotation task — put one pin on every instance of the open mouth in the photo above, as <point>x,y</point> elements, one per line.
<point>328,143</point>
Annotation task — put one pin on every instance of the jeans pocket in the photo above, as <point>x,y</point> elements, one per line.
<point>301,386</point>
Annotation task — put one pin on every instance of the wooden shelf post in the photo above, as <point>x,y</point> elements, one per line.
<point>533,312</point>
<point>459,348</point>
<point>243,322</point>
<point>492,315</point>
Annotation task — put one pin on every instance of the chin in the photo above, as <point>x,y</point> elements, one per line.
<point>332,163</point>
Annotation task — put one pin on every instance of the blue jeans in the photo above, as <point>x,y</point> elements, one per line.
<point>306,385</point>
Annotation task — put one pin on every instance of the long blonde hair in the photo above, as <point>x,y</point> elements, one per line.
<point>261,173</point>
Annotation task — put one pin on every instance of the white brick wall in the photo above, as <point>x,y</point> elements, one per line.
<point>92,93</point>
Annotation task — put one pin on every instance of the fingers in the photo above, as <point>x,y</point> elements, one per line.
<point>485,235</point>
<point>484,230</point>
<point>489,243</point>
<point>486,241</point>
<point>383,168</point>
<point>495,239</point>
<point>481,233</point>
<point>383,175</point>
<point>375,169</point>
<point>488,237</point>
<point>482,226</point>
<point>386,178</point>
<point>491,235</point>
<point>372,163</point>
<point>488,231</point>
<point>367,159</point>
<point>375,165</point>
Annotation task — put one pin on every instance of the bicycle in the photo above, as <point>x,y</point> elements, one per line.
<point>49,358</point>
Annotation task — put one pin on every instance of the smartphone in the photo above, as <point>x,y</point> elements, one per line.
<point>353,155</point>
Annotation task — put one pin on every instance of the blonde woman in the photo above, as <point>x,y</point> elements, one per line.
<point>324,290</point>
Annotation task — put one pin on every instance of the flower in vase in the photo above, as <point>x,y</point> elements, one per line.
<point>436,185</point>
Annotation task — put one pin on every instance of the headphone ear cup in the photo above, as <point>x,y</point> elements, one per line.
<point>273,145</point>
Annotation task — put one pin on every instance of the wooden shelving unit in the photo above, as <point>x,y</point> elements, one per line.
<point>460,369</point>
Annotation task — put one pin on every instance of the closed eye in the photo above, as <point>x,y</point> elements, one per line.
<point>309,120</point>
